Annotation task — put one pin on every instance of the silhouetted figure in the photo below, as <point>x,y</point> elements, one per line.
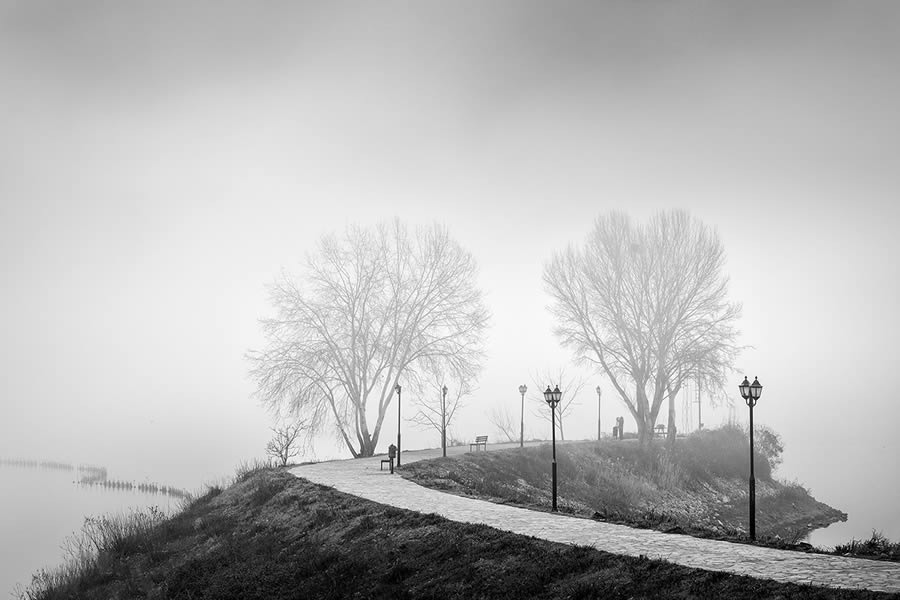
<point>392,454</point>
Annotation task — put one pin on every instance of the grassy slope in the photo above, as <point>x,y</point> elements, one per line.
<point>700,488</point>
<point>274,536</point>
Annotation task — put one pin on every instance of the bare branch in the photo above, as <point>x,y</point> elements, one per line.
<point>376,307</point>
<point>505,425</point>
<point>282,447</point>
<point>431,410</point>
<point>569,385</point>
<point>647,305</point>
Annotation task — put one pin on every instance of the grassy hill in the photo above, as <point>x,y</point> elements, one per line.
<point>271,535</point>
<point>699,487</point>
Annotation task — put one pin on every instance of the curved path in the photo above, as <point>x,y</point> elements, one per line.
<point>362,477</point>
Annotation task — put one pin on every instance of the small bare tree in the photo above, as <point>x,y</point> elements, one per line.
<point>569,385</point>
<point>505,425</point>
<point>433,409</point>
<point>283,445</point>
<point>376,308</point>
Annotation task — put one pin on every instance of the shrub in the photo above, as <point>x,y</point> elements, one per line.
<point>768,444</point>
<point>877,546</point>
<point>723,452</point>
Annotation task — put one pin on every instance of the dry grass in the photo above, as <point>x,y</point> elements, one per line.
<point>876,546</point>
<point>698,487</point>
<point>273,536</point>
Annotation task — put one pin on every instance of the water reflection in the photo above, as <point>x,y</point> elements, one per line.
<point>42,503</point>
<point>96,476</point>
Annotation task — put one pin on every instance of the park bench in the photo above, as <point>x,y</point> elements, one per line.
<point>392,453</point>
<point>480,440</point>
<point>661,430</point>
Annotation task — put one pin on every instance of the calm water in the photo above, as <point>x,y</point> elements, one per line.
<point>856,475</point>
<point>865,514</point>
<point>40,508</point>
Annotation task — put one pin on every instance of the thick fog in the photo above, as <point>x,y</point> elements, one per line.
<point>162,162</point>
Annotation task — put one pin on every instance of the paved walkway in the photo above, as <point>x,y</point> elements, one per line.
<point>362,477</point>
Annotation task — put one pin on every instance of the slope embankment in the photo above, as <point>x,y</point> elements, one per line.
<point>699,486</point>
<point>273,535</point>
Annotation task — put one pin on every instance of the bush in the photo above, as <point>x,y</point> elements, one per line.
<point>723,452</point>
<point>768,444</point>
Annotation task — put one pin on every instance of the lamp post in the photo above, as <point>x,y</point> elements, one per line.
<point>444,420</point>
<point>552,397</point>
<point>522,389</point>
<point>398,389</point>
<point>751,392</point>
<point>599,427</point>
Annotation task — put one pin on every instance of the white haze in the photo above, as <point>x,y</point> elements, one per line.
<point>161,162</point>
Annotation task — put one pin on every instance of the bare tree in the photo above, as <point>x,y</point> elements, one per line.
<point>504,424</point>
<point>647,306</point>
<point>433,411</point>
<point>373,308</point>
<point>569,385</point>
<point>283,445</point>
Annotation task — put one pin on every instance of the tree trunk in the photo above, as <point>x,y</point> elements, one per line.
<point>645,428</point>
<point>643,419</point>
<point>368,448</point>
<point>670,429</point>
<point>645,433</point>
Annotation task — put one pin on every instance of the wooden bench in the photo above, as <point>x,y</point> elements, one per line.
<point>480,440</point>
<point>661,430</point>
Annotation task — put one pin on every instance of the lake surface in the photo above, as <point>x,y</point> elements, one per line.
<point>40,508</point>
<point>857,475</point>
<point>865,514</point>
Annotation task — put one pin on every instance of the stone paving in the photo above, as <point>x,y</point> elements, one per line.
<point>362,477</point>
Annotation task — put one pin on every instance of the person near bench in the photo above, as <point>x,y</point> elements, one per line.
<point>392,454</point>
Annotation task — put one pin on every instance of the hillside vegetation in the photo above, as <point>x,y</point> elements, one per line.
<point>274,536</point>
<point>699,487</point>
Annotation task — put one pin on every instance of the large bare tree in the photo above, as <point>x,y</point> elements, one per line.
<point>647,305</point>
<point>373,308</point>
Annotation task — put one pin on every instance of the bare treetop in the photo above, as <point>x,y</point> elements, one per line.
<point>373,307</point>
<point>434,409</point>
<point>570,385</point>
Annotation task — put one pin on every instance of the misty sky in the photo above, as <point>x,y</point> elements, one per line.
<point>161,162</point>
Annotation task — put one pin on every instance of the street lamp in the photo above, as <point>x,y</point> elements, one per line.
<point>398,389</point>
<point>552,397</point>
<point>522,389</point>
<point>599,428</point>
<point>444,421</point>
<point>751,392</point>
